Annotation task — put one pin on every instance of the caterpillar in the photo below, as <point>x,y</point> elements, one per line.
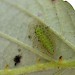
<point>42,35</point>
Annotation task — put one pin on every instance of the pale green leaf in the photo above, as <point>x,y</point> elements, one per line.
<point>16,17</point>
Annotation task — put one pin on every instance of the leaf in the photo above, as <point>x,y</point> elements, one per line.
<point>15,18</point>
<point>49,13</point>
<point>14,27</point>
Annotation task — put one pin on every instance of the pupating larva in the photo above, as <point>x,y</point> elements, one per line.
<point>44,39</point>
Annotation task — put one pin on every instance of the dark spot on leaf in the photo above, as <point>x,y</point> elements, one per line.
<point>53,0</point>
<point>38,40</point>
<point>46,27</point>
<point>19,50</point>
<point>29,37</point>
<point>17,59</point>
<point>60,58</point>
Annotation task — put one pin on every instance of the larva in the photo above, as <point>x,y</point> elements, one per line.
<point>40,32</point>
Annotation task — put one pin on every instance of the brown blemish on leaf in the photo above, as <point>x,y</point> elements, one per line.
<point>6,66</point>
<point>54,1</point>
<point>60,59</point>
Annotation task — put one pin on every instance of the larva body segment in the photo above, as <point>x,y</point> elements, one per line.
<point>44,39</point>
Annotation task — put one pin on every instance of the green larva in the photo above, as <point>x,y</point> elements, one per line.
<point>44,39</point>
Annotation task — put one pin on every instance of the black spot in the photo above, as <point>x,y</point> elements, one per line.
<point>38,40</point>
<point>17,59</point>
<point>29,37</point>
<point>60,57</point>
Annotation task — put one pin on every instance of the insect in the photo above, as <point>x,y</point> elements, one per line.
<point>40,32</point>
